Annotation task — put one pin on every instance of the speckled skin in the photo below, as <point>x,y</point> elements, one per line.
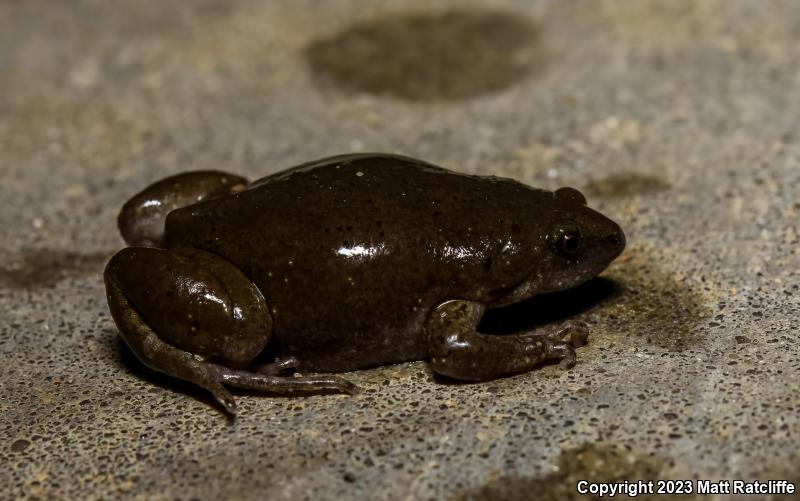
<point>355,261</point>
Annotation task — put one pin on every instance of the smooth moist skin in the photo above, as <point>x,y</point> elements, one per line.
<point>344,263</point>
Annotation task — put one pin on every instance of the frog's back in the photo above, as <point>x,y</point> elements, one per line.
<point>352,252</point>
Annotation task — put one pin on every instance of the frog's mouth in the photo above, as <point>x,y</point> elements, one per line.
<point>571,278</point>
<point>533,286</point>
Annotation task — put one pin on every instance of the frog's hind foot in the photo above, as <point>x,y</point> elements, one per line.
<point>141,220</point>
<point>560,341</point>
<point>281,384</point>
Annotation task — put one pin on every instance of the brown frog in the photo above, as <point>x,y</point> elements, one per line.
<point>345,263</point>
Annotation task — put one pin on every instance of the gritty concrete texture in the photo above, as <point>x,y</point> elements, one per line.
<point>679,119</point>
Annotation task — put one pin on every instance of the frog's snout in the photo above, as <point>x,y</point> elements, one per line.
<point>609,242</point>
<point>616,242</point>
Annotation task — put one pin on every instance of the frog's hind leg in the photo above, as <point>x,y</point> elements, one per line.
<point>157,354</point>
<point>141,220</point>
<point>458,351</point>
<point>193,315</point>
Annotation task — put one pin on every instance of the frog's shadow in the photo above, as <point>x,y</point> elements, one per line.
<point>550,308</point>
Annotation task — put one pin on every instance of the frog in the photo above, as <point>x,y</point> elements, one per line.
<point>346,263</point>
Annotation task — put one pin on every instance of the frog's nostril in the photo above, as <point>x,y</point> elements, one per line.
<point>617,241</point>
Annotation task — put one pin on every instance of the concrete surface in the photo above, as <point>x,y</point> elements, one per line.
<point>679,119</point>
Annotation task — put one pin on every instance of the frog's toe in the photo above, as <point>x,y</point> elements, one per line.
<point>277,367</point>
<point>574,332</point>
<point>346,386</point>
<point>333,383</point>
<point>562,350</point>
<point>224,398</point>
<point>567,363</point>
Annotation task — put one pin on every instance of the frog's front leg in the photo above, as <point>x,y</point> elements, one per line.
<point>458,351</point>
<point>141,220</point>
<point>195,316</point>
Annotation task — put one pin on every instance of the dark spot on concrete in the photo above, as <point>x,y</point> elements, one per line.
<point>43,267</point>
<point>634,298</point>
<point>593,462</point>
<point>626,184</point>
<point>20,445</point>
<point>451,55</point>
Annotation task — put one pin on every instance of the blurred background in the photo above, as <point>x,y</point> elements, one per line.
<point>678,119</point>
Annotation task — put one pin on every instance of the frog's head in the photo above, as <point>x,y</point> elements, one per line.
<point>568,245</point>
<point>579,244</point>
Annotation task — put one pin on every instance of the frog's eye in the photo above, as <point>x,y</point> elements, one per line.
<point>567,242</point>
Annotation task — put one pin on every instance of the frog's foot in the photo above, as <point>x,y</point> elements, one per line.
<point>561,340</point>
<point>141,220</point>
<point>281,384</point>
<point>277,367</point>
<point>457,350</point>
